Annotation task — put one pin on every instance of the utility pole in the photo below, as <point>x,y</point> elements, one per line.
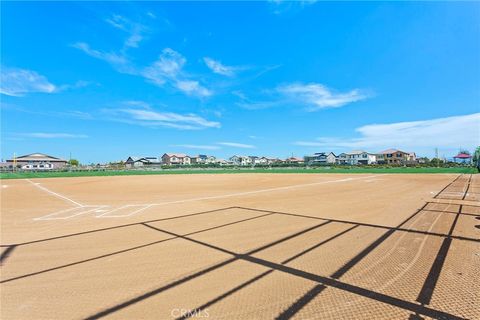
<point>436,157</point>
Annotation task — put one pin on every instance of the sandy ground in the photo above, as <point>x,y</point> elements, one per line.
<point>243,246</point>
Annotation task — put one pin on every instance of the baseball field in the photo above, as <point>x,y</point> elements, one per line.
<point>243,246</point>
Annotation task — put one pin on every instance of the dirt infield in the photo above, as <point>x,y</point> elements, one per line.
<point>244,246</point>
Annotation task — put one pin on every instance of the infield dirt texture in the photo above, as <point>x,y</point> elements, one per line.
<point>243,246</point>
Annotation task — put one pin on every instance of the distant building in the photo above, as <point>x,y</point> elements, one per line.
<point>321,158</point>
<point>268,161</point>
<point>224,162</point>
<point>294,160</point>
<point>38,161</point>
<point>203,159</point>
<point>133,162</point>
<point>360,157</point>
<point>463,158</point>
<point>176,158</point>
<point>241,160</point>
<point>394,156</point>
<point>342,158</point>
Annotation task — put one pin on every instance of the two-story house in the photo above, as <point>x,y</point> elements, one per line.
<point>175,159</point>
<point>357,157</point>
<point>321,158</point>
<point>241,160</point>
<point>395,156</point>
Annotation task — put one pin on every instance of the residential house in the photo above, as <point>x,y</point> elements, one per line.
<point>204,159</point>
<point>241,160</point>
<point>224,162</point>
<point>321,158</point>
<point>133,162</point>
<point>38,161</point>
<point>254,160</point>
<point>341,158</point>
<point>268,161</point>
<point>395,156</point>
<point>176,159</point>
<point>358,157</point>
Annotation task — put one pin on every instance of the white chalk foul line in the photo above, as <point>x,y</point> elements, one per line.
<point>59,214</point>
<point>148,205</point>
<point>36,184</point>
<point>109,214</point>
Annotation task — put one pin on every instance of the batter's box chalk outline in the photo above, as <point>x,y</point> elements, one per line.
<point>125,211</point>
<point>71,212</point>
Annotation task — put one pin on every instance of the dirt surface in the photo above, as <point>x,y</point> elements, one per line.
<point>245,246</point>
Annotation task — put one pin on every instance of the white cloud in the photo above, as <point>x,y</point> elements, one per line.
<point>77,85</point>
<point>134,30</point>
<point>448,133</point>
<point>168,65</point>
<point>236,145</point>
<point>141,114</point>
<point>318,96</point>
<point>249,104</point>
<point>219,68</point>
<point>195,146</point>
<point>112,58</point>
<point>17,82</point>
<point>168,69</point>
<point>45,135</point>
<point>192,87</point>
<point>118,59</point>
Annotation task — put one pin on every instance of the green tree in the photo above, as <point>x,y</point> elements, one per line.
<point>73,162</point>
<point>476,155</point>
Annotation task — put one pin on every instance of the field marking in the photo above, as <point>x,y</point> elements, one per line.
<point>51,216</point>
<point>237,194</point>
<point>37,184</point>
<point>105,213</point>
<point>108,213</point>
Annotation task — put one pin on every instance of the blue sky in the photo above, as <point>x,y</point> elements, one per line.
<point>104,81</point>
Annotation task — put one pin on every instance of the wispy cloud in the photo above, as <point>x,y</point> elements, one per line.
<point>450,132</point>
<point>168,69</point>
<point>236,145</point>
<point>48,113</point>
<point>134,30</point>
<point>17,82</point>
<point>77,85</point>
<point>195,146</point>
<point>50,135</point>
<point>117,60</point>
<point>142,114</point>
<point>219,68</point>
<point>249,104</point>
<point>317,96</point>
<point>312,97</point>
